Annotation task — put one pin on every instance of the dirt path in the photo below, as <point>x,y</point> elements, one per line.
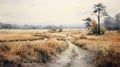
<point>73,56</point>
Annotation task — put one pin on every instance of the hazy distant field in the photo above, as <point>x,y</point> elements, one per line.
<point>40,46</point>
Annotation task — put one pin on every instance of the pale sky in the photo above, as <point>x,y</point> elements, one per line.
<point>51,11</point>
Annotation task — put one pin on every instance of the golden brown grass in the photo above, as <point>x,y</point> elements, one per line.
<point>16,37</point>
<point>105,47</point>
<point>27,47</point>
<point>108,57</point>
<point>31,51</point>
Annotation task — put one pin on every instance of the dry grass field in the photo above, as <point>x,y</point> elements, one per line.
<point>21,46</point>
<point>105,47</point>
<point>35,46</point>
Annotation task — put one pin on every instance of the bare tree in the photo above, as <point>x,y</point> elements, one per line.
<point>99,11</point>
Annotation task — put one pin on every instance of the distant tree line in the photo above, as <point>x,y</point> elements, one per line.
<point>112,23</point>
<point>16,26</point>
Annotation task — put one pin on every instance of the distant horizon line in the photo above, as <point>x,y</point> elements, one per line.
<point>37,24</point>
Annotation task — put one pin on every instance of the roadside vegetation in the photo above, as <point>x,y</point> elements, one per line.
<point>103,39</point>
<point>106,48</point>
<point>32,47</point>
<point>43,50</point>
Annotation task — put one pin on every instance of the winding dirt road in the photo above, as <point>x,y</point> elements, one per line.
<point>73,56</point>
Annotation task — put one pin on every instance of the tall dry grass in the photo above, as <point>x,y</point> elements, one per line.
<point>21,46</point>
<point>108,57</point>
<point>106,48</point>
<point>40,51</point>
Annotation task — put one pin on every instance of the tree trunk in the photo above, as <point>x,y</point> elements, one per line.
<point>98,22</point>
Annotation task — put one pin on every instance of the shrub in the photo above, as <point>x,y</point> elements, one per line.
<point>95,30</point>
<point>54,29</point>
<point>4,47</point>
<point>108,58</point>
<point>60,29</point>
<point>45,56</point>
<point>103,30</point>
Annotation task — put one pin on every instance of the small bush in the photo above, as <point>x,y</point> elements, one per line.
<point>103,30</point>
<point>4,47</point>
<point>60,29</point>
<point>95,31</point>
<point>109,58</point>
<point>54,29</point>
<point>45,56</point>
